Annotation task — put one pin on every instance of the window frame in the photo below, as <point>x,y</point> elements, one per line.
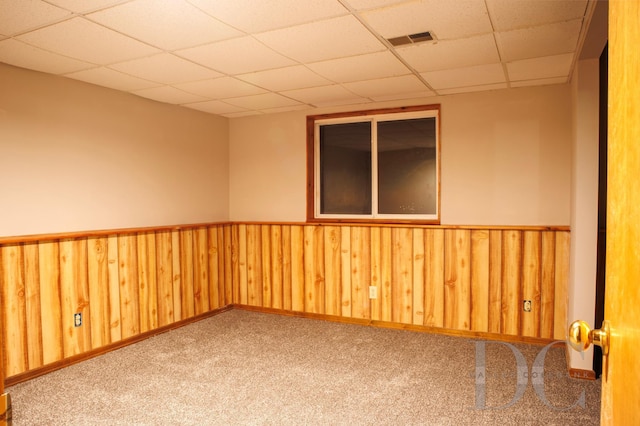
<point>366,115</point>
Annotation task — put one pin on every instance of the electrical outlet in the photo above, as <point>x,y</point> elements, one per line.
<point>373,292</point>
<point>526,306</point>
<point>77,319</point>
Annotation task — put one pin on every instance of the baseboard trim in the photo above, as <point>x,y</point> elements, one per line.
<point>57,365</point>
<point>577,373</point>
<point>5,409</point>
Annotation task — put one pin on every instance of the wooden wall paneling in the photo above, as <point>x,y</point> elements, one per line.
<point>563,243</point>
<point>385,291</point>
<point>164,278</point>
<point>531,251</point>
<point>128,274</point>
<point>277,266</point>
<point>176,268</point>
<point>254,265</point>
<point>147,281</point>
<point>98,278</point>
<point>332,270</point>
<point>360,271</point>
<point>14,309</point>
<point>457,295</point>
<point>113,271</point>
<point>232,263</point>
<point>376,271</point>
<point>225,261</point>
<point>314,280</point>
<point>186,273</point>
<point>50,301</point>
<point>75,296</point>
<point>511,275</point>
<point>418,273</point>
<point>216,280</point>
<point>267,281</point>
<point>495,281</point>
<point>242,265</point>
<point>434,278</point>
<point>32,305</point>
<point>297,268</point>
<point>201,270</point>
<point>402,275</point>
<point>345,261</point>
<point>547,284</point>
<point>480,280</point>
<point>287,272</point>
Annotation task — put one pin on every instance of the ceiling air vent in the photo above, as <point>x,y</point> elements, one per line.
<point>411,38</point>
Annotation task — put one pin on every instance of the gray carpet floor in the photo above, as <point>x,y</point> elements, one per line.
<point>250,368</point>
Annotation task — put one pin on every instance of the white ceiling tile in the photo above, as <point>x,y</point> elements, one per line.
<point>318,41</point>
<point>20,54</point>
<point>465,77</point>
<point>242,114</point>
<point>86,41</point>
<point>257,16</point>
<point>154,22</point>
<point>110,78</point>
<point>393,86</point>
<point>447,54</point>
<point>324,96</point>
<point>371,4</point>
<point>510,14</point>
<point>165,68</point>
<point>362,67</point>
<point>446,19</point>
<point>215,107</point>
<point>540,68</point>
<point>17,16</point>
<point>84,6</point>
<point>266,100</point>
<point>409,95</point>
<point>221,88</point>
<point>540,82</point>
<point>236,56</point>
<point>300,107</point>
<point>471,89</point>
<point>289,78</point>
<point>169,95</point>
<point>546,40</point>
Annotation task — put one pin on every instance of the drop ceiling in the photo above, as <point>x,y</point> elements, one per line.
<point>245,57</point>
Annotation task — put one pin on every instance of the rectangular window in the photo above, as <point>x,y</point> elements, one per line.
<point>378,165</point>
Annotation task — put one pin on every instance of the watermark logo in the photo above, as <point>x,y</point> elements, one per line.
<point>537,376</point>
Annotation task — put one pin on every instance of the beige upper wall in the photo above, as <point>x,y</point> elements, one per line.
<point>506,159</point>
<point>79,157</point>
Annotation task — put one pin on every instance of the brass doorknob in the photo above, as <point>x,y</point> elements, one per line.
<point>581,336</point>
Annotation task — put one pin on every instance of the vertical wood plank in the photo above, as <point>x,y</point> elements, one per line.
<point>480,280</point>
<point>434,280</point>
<point>457,296</point>
<point>113,270</point>
<point>164,277</point>
<point>418,276</point>
<point>128,273</point>
<point>314,269</point>
<point>402,257</point>
<point>495,281</point>
<point>98,277</point>
<point>216,288</point>
<point>176,267</point>
<point>186,273</point>
<point>50,301</point>
<point>511,275</point>
<point>345,275</point>
<point>277,266</point>
<point>254,265</point>
<point>242,265</point>
<point>200,270</point>
<point>32,305</point>
<point>287,272</point>
<point>75,296</point>
<point>385,293</point>
<point>231,265</point>
<point>376,271</point>
<point>530,323</point>
<point>563,243</point>
<point>360,271</point>
<point>297,268</point>
<point>147,281</point>
<point>332,270</point>
<point>265,251</point>
<point>547,290</point>
<point>13,297</point>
